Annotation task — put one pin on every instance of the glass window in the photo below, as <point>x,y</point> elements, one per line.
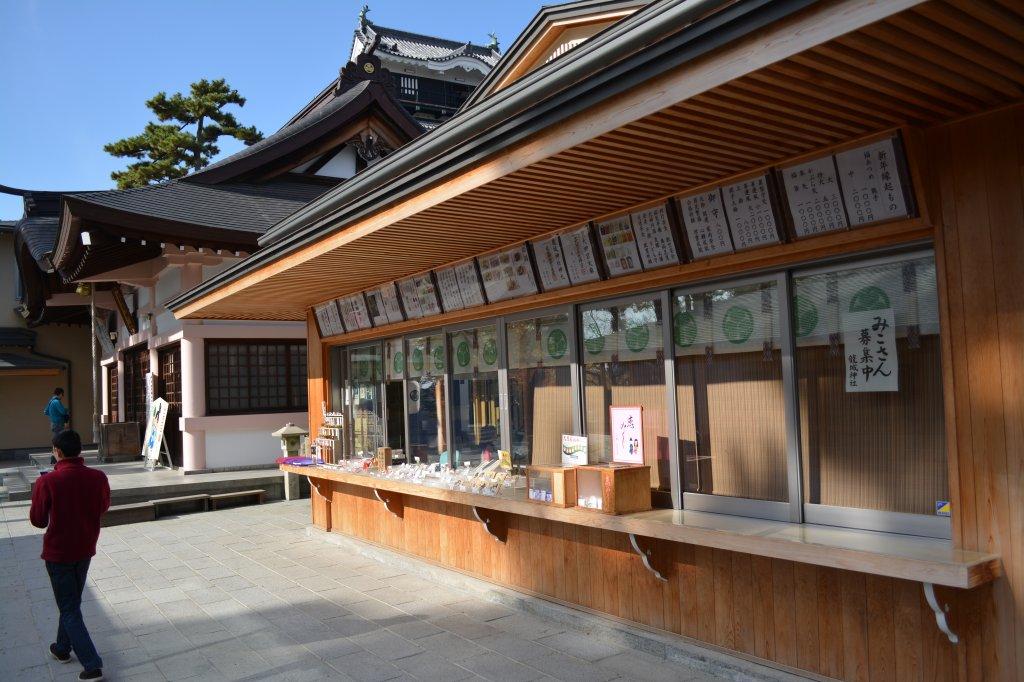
<point>623,364</point>
<point>540,387</point>
<point>474,394</point>
<point>394,393</point>
<point>364,384</point>
<point>425,400</point>
<point>871,416</point>
<point>729,396</point>
<point>244,377</point>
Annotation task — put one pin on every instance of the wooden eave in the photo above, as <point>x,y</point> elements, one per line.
<point>832,73</point>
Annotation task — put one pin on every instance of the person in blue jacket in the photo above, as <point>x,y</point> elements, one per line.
<point>58,414</point>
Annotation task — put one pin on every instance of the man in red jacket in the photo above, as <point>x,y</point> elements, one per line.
<point>68,502</point>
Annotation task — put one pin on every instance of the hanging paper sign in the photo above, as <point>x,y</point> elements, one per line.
<point>436,360</point>
<point>744,322</point>
<point>550,264</point>
<point>426,293</point>
<point>417,362</point>
<point>654,238</point>
<point>507,274</point>
<point>706,228</point>
<point>578,250</point>
<point>487,349</point>
<point>469,284</point>
<point>815,309</point>
<point>618,242</point>
<point>377,307</point>
<point>574,450</point>
<point>869,349</point>
<point>448,285</point>
<point>748,207</point>
<point>523,344</point>
<point>410,298</point>
<point>364,364</point>
<point>876,288</point>
<point>464,353</point>
<point>690,325</point>
<point>389,297</point>
<point>870,179</point>
<point>394,360</point>
<point>329,319</point>
<point>639,336</point>
<point>354,312</point>
<point>627,434</point>
<point>814,197</point>
<point>554,342</point>
<point>599,338</point>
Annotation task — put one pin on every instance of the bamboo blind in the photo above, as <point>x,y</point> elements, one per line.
<point>542,402</point>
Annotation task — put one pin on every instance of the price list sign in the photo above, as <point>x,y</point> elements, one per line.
<point>619,245</point>
<point>815,200</point>
<point>382,304</point>
<point>578,252</point>
<point>654,237</point>
<point>748,206</point>
<point>354,312</point>
<point>448,284</point>
<point>410,298</point>
<point>329,319</point>
<point>871,183</point>
<point>469,284</point>
<point>507,274</point>
<point>550,263</point>
<point>706,226</point>
<point>427,295</point>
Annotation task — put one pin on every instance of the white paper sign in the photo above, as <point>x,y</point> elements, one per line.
<point>627,434</point>
<point>619,245</point>
<point>550,264</point>
<point>554,342</point>
<point>507,274</point>
<point>469,284</point>
<point>410,298</point>
<point>748,206</point>
<point>871,183</point>
<point>578,251</point>
<point>354,312</point>
<point>654,237</point>
<point>706,227</point>
<point>329,319</point>
<point>448,284</point>
<point>869,349</point>
<point>574,450</point>
<point>427,295</point>
<point>815,199</point>
<point>389,297</point>
<point>155,421</point>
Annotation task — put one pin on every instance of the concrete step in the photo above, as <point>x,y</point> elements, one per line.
<point>138,512</point>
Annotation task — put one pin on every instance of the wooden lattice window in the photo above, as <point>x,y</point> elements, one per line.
<point>255,376</point>
<point>136,366</point>
<point>112,393</point>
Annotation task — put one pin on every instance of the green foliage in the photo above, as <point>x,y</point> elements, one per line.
<point>171,150</point>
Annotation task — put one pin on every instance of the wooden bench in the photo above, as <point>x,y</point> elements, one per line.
<point>121,514</point>
<point>200,502</point>
<point>258,494</point>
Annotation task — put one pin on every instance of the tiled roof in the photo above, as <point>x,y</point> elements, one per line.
<point>39,234</point>
<point>9,361</point>
<point>427,48</point>
<point>8,225</point>
<point>240,206</point>
<point>17,337</point>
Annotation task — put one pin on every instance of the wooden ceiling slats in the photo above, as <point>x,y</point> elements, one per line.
<point>970,27</point>
<point>937,61</point>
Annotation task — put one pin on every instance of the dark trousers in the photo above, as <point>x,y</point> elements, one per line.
<point>68,581</point>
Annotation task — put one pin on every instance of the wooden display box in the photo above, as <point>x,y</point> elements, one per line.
<point>614,488</point>
<point>551,484</point>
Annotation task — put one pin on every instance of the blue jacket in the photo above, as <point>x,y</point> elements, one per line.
<point>56,411</point>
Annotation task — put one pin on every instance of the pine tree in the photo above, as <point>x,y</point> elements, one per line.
<point>172,150</point>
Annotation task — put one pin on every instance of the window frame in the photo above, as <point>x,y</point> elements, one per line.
<point>288,343</point>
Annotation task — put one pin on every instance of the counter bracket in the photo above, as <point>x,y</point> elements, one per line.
<point>940,613</point>
<point>494,522</point>
<point>392,502</point>
<point>645,556</point>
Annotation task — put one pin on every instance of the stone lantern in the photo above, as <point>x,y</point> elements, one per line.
<point>291,439</point>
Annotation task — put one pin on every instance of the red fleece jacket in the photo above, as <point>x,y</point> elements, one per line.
<point>68,502</point>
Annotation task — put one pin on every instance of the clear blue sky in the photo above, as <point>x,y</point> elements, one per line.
<point>75,74</point>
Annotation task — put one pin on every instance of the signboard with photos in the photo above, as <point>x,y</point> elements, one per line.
<point>507,274</point>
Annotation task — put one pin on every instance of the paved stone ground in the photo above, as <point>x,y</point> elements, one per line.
<point>244,594</point>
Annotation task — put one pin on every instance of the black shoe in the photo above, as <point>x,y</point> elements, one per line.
<point>92,675</point>
<point>55,652</point>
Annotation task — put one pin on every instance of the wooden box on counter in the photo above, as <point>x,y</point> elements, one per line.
<point>551,484</point>
<point>614,488</point>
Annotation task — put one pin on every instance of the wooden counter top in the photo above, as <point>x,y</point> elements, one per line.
<point>924,560</point>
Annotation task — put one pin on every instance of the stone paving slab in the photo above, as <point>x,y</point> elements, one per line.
<point>245,594</point>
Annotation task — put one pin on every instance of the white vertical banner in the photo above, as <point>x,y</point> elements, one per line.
<point>869,349</point>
